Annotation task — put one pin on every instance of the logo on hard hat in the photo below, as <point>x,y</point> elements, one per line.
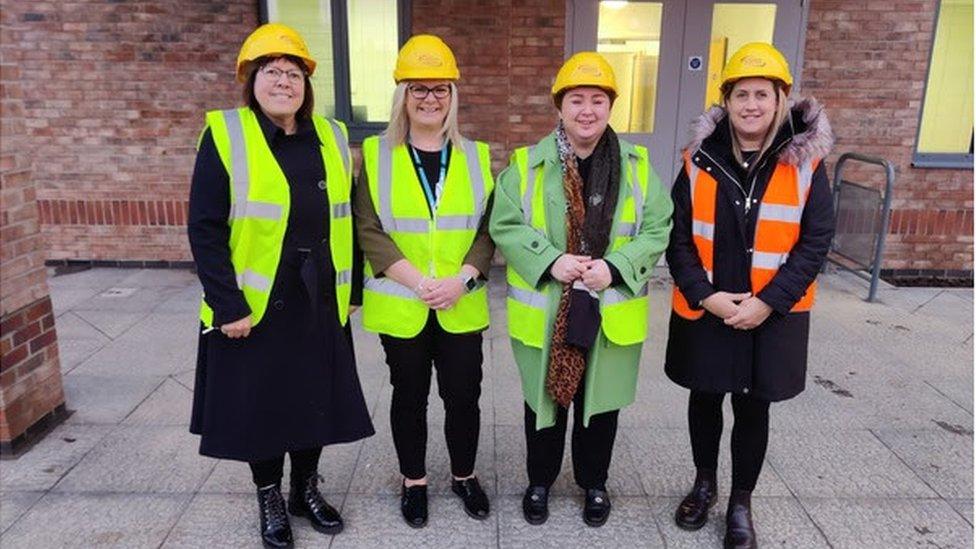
<point>753,61</point>
<point>429,60</point>
<point>589,70</point>
<point>294,42</point>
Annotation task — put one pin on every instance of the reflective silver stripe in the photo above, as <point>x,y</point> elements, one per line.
<point>342,209</point>
<point>475,176</point>
<point>529,187</point>
<point>344,277</point>
<point>410,225</point>
<point>612,296</point>
<point>529,298</point>
<point>708,275</point>
<point>767,260</point>
<point>341,142</point>
<point>803,182</point>
<point>240,177</point>
<point>703,229</point>
<point>458,222</point>
<point>255,280</point>
<point>385,185</point>
<point>780,212</point>
<point>256,210</point>
<point>388,286</point>
<point>638,194</point>
<point>625,228</point>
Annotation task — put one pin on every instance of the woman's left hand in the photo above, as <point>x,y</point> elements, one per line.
<point>444,292</point>
<point>752,312</point>
<point>597,275</point>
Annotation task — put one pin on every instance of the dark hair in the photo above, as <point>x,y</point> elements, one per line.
<point>308,105</point>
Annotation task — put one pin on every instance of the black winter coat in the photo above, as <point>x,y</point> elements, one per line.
<point>768,362</point>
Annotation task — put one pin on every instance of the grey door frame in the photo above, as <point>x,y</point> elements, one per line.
<point>681,90</point>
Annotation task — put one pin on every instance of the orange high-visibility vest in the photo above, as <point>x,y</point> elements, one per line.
<point>777,227</point>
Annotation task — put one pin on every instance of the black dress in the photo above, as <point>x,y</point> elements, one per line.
<point>292,384</point>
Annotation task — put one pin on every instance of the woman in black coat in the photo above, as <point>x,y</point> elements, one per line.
<point>753,220</point>
<point>275,367</point>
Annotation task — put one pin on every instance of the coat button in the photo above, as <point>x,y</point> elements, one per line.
<point>325,241</point>
<point>697,158</point>
<point>745,391</point>
<point>535,243</point>
<point>643,270</point>
<point>748,250</point>
<point>322,184</point>
<point>279,304</point>
<point>708,168</point>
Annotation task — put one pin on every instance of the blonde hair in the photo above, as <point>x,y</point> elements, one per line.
<point>399,126</point>
<point>782,112</point>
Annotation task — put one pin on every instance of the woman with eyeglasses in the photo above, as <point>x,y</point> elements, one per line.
<point>271,231</point>
<point>420,204</point>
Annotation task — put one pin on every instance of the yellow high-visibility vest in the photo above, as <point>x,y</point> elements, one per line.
<point>436,245</point>
<point>260,201</point>
<point>624,316</point>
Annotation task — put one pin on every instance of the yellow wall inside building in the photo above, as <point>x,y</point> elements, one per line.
<point>733,26</point>
<point>947,119</point>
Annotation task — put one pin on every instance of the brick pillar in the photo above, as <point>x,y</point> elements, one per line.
<point>31,396</point>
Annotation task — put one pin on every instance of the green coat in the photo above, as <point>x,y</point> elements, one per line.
<point>611,370</point>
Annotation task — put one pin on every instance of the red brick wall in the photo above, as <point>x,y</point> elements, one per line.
<point>867,62</point>
<point>30,376</point>
<point>508,52</point>
<point>114,95</point>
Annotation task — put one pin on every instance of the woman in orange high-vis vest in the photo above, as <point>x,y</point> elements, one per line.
<point>753,219</point>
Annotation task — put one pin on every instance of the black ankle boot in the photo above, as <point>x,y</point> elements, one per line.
<point>413,505</point>
<point>275,529</point>
<point>596,508</point>
<point>535,504</point>
<point>692,513</point>
<point>472,496</point>
<point>739,532</point>
<point>305,500</point>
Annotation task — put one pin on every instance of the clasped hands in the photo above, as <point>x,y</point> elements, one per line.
<point>593,273</point>
<point>440,293</point>
<point>742,311</point>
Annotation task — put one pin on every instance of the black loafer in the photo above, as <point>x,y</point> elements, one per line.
<point>474,498</point>
<point>739,531</point>
<point>413,505</point>
<point>275,529</point>
<point>305,500</point>
<point>692,512</point>
<point>535,504</point>
<point>596,509</point>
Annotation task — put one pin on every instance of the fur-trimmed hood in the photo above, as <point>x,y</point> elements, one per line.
<point>811,134</point>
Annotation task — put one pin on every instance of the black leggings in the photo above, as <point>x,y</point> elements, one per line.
<point>457,359</point>
<point>304,463</point>
<point>750,435</point>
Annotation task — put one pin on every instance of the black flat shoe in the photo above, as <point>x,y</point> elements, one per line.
<point>596,509</point>
<point>692,512</point>
<point>305,500</point>
<point>474,498</point>
<point>535,504</point>
<point>739,531</point>
<point>413,505</point>
<point>275,529</point>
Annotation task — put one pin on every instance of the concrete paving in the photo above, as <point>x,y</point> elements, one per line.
<point>877,452</point>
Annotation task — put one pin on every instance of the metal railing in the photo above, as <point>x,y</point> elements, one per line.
<point>862,214</point>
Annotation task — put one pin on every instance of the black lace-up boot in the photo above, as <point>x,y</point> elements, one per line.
<point>275,529</point>
<point>305,500</point>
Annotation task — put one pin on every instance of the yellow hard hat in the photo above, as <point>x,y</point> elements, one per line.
<point>586,68</point>
<point>425,57</point>
<point>757,59</point>
<point>272,39</point>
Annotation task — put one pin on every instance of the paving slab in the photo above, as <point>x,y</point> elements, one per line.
<point>664,463</point>
<point>779,522</point>
<point>97,520</point>
<point>140,459</point>
<point>105,398</point>
<point>77,340</point>
<point>169,404</point>
<point>111,324</point>
<point>155,278</point>
<point>841,464</point>
<point>942,459</point>
<point>886,523</point>
<point>128,299</point>
<point>630,525</point>
<point>15,504</point>
<point>159,345</point>
<point>964,507</point>
<point>45,463</point>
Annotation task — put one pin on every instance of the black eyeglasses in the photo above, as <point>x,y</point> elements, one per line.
<point>420,92</point>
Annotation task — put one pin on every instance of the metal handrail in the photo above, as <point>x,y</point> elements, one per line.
<point>875,266</point>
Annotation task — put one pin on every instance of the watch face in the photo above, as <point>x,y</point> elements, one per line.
<point>471,284</point>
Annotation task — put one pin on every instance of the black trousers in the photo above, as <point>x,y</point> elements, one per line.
<point>304,463</point>
<point>457,358</point>
<point>750,434</point>
<point>592,446</point>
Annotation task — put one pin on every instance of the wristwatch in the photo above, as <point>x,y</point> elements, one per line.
<point>470,282</point>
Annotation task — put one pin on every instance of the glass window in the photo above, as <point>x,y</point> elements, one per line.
<point>733,26</point>
<point>629,36</point>
<point>313,20</point>
<point>947,114</point>
<point>373,47</point>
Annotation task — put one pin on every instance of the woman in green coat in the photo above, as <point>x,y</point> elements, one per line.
<point>581,219</point>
